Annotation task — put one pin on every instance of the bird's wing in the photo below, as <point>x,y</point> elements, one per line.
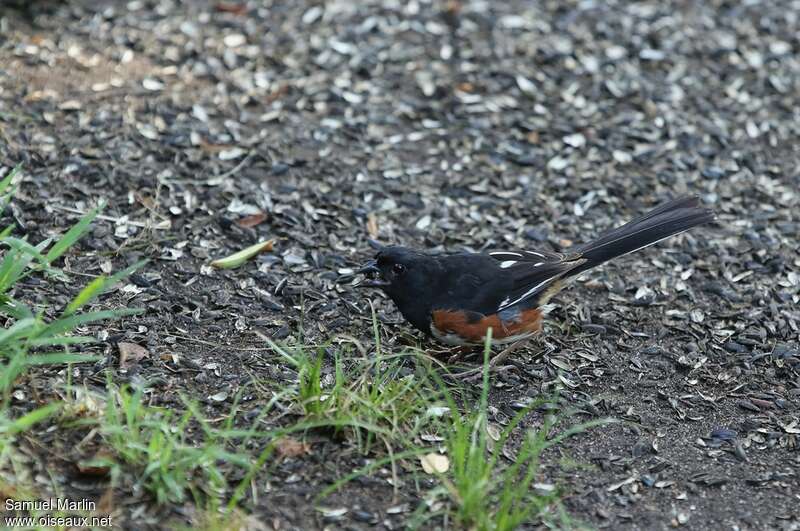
<point>532,273</point>
<point>525,256</point>
<point>488,283</point>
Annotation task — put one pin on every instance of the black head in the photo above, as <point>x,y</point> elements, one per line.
<point>408,277</point>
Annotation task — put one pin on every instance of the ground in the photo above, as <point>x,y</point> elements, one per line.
<point>438,125</point>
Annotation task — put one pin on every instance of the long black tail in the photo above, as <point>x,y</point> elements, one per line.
<point>666,220</point>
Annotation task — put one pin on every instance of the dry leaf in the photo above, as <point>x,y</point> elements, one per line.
<point>86,403</point>
<point>234,9</point>
<point>434,463</point>
<point>208,147</point>
<point>290,447</point>
<point>330,512</point>
<point>372,225</point>
<point>252,220</point>
<point>131,353</point>
<point>98,466</point>
<point>170,357</point>
<point>219,397</point>
<point>237,259</point>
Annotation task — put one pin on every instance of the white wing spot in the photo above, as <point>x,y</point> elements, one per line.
<point>537,264</point>
<point>505,253</point>
<point>507,263</point>
<point>504,304</point>
<point>534,253</point>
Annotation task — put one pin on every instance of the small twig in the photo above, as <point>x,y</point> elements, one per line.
<point>395,479</point>
<point>235,169</point>
<point>220,345</point>
<point>88,438</point>
<point>163,225</point>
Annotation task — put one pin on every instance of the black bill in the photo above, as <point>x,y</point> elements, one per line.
<point>373,280</point>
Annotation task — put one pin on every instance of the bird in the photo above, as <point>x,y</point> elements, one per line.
<point>456,298</point>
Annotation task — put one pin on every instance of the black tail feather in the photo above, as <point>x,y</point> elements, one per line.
<point>666,220</point>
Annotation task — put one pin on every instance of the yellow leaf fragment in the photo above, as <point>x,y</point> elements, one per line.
<point>237,259</point>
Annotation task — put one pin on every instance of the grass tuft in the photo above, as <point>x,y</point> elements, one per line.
<point>481,489</point>
<point>28,339</point>
<point>376,398</point>
<point>158,444</point>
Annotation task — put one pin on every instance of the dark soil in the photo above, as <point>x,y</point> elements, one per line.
<point>438,125</point>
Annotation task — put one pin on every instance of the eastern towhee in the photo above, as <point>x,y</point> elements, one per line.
<point>457,297</point>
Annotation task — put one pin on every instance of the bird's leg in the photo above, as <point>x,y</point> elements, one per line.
<point>452,354</point>
<point>459,353</point>
<point>494,363</point>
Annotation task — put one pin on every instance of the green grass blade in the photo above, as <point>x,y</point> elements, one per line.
<point>37,415</point>
<point>65,324</point>
<point>11,370</point>
<point>59,358</point>
<point>17,330</point>
<point>72,235</point>
<point>99,286</point>
<point>15,264</point>
<point>60,341</point>
<point>14,308</point>
<point>12,267</point>
<point>90,291</point>
<point>237,259</point>
<point>5,193</point>
<point>295,361</point>
<point>25,247</point>
<point>6,182</point>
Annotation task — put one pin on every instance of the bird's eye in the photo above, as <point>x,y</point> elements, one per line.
<point>399,269</point>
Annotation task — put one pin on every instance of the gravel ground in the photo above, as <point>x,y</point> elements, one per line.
<point>208,126</point>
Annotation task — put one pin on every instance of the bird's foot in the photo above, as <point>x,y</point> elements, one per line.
<point>474,375</point>
<point>461,353</point>
<point>454,354</point>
